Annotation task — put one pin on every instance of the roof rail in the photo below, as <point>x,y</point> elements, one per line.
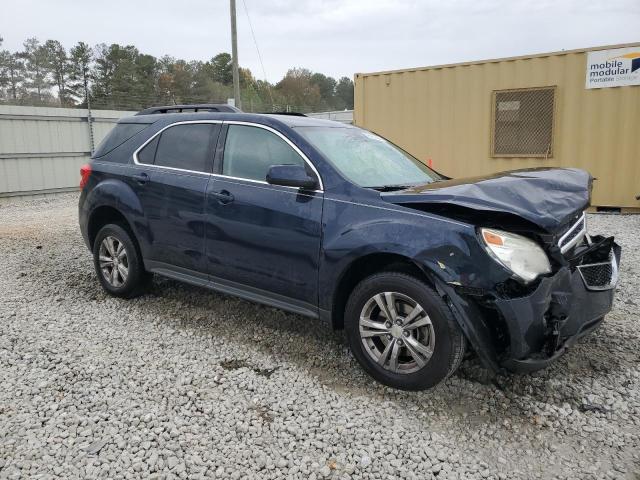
<point>198,107</point>
<point>293,114</point>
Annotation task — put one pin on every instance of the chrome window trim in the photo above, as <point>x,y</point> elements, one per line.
<point>267,186</point>
<point>251,124</point>
<point>283,137</point>
<point>150,139</point>
<point>582,223</point>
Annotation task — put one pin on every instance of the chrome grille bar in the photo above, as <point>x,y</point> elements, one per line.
<point>574,235</point>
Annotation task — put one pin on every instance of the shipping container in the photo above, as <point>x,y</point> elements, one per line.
<point>578,108</point>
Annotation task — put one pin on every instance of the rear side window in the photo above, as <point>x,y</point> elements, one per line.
<point>117,136</point>
<point>187,147</point>
<point>148,153</point>
<point>250,151</point>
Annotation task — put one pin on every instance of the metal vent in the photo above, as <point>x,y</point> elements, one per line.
<point>600,276</point>
<point>523,122</point>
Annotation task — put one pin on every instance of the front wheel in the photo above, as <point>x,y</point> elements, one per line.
<point>402,332</point>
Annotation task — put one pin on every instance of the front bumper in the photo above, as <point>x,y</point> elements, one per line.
<point>561,310</point>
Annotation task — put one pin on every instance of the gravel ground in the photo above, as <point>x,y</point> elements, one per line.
<point>186,383</point>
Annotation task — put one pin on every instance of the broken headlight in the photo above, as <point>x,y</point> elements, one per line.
<point>519,254</point>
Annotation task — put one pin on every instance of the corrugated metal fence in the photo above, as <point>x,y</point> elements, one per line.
<point>42,149</point>
<point>342,116</point>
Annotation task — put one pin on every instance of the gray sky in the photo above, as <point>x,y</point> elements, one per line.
<point>335,37</point>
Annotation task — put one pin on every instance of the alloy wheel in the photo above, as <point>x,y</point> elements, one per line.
<point>114,262</point>
<point>397,332</point>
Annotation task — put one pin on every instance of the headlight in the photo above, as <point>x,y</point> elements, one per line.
<point>522,256</point>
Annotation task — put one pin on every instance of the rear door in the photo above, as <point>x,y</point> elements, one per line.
<point>174,169</point>
<point>262,237</point>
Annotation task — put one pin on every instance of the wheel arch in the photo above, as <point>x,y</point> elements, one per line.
<point>463,311</point>
<point>104,215</point>
<point>363,267</point>
<point>113,200</point>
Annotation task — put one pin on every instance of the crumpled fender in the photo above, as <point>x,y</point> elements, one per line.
<point>447,251</point>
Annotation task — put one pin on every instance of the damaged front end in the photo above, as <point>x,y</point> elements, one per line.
<point>517,322</point>
<point>563,307</point>
<point>523,327</point>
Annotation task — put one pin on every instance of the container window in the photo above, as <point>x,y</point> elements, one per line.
<point>523,122</point>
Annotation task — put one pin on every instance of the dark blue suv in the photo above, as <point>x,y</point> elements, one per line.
<point>331,221</point>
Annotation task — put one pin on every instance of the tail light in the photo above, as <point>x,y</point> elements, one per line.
<point>85,173</point>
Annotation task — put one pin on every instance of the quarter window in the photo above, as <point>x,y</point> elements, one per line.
<point>118,135</point>
<point>249,152</point>
<point>187,147</point>
<point>148,153</point>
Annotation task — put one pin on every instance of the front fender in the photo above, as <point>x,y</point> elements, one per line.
<point>449,249</point>
<point>448,252</point>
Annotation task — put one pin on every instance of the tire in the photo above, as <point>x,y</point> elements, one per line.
<point>437,334</point>
<point>136,279</point>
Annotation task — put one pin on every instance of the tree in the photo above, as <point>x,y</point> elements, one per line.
<point>222,69</point>
<point>36,64</point>
<point>124,78</point>
<point>79,76</point>
<point>144,80</point>
<point>175,80</point>
<point>344,92</point>
<point>298,91</point>
<point>327,87</point>
<point>11,75</point>
<point>118,76</point>
<point>60,68</point>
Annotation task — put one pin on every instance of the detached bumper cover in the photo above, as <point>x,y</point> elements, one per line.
<point>565,307</point>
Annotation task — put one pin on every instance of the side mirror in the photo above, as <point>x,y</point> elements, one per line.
<point>291,176</point>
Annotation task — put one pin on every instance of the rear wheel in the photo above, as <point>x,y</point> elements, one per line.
<point>118,263</point>
<point>402,332</point>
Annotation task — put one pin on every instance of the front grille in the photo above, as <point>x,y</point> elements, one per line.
<point>597,275</point>
<point>573,235</point>
<point>600,276</point>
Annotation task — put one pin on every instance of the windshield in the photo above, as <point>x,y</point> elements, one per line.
<point>367,159</point>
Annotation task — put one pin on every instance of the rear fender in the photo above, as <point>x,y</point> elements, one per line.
<point>120,196</point>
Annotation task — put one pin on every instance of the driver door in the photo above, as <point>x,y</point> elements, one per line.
<point>260,237</point>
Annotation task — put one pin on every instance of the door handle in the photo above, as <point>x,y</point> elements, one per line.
<point>141,178</point>
<point>223,196</point>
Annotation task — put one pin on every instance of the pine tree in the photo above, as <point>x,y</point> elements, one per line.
<point>60,68</point>
<point>36,62</point>
<point>79,78</point>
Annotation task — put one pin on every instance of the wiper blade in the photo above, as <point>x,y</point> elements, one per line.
<point>391,188</point>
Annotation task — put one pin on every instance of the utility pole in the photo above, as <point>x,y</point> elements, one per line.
<point>234,56</point>
<point>89,117</point>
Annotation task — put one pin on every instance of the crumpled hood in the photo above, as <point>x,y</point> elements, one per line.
<point>547,197</point>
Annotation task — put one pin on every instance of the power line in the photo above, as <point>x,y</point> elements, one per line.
<point>255,42</point>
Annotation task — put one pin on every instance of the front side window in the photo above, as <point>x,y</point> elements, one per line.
<point>249,152</point>
<point>187,147</point>
<point>367,159</point>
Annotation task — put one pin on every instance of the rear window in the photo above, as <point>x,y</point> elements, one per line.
<point>117,136</point>
<point>187,147</point>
